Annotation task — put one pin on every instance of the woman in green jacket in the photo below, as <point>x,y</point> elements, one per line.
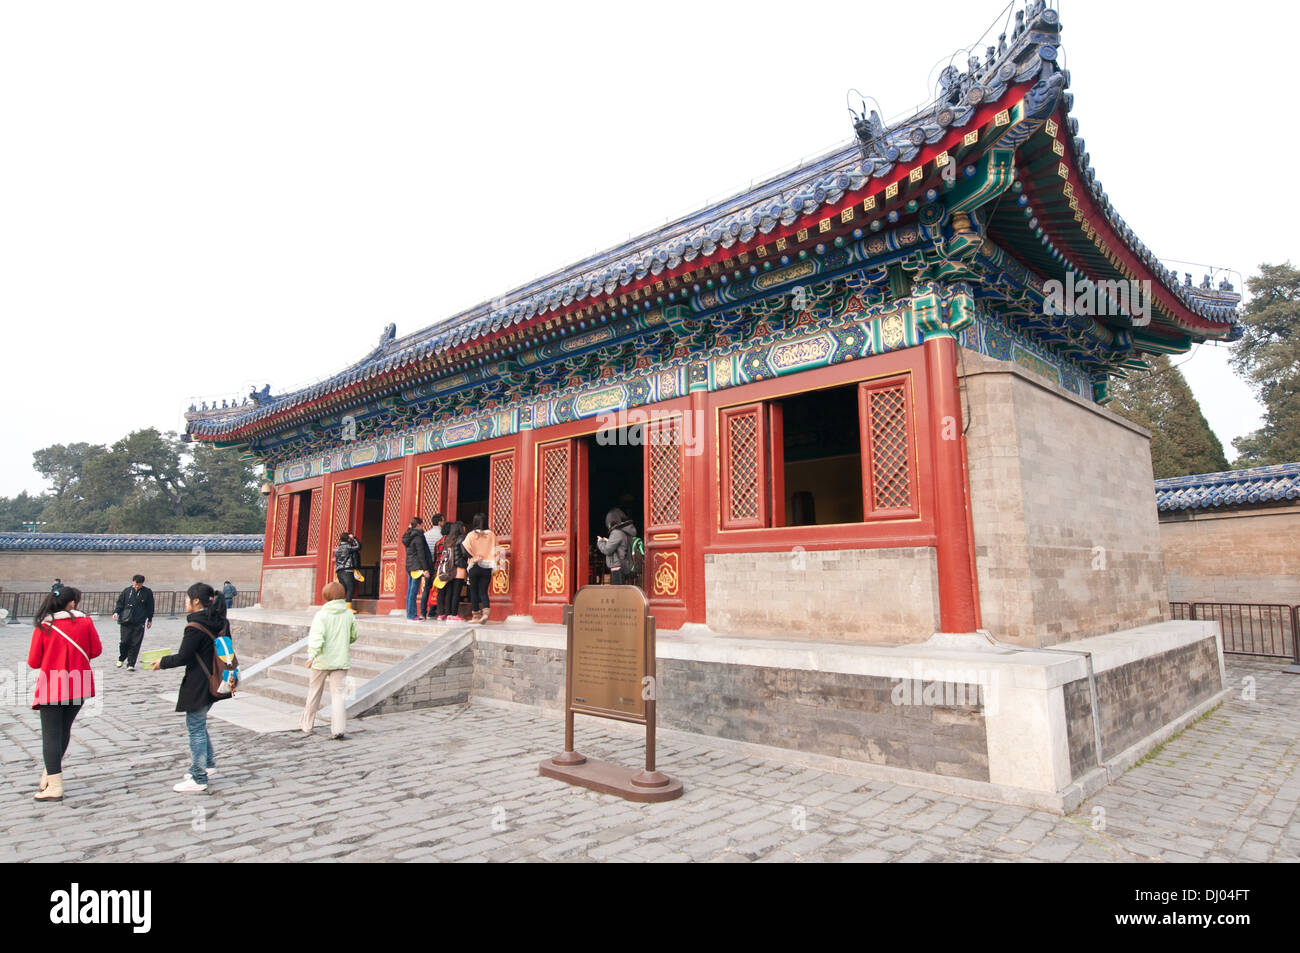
<point>333,630</point>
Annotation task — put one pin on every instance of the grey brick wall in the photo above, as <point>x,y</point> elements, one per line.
<point>843,716</point>
<point>1078,728</point>
<point>1137,700</point>
<point>520,673</point>
<point>448,684</point>
<point>878,596</point>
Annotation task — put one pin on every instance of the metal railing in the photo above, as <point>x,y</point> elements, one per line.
<point>1256,630</point>
<point>167,604</point>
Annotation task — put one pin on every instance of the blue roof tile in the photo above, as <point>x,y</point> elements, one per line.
<point>1236,488</point>
<point>129,542</point>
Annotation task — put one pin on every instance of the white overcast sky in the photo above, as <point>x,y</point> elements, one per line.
<point>196,198</point>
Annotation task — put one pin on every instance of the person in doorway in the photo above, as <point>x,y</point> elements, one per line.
<point>419,566</point>
<point>455,562</point>
<point>433,593</point>
<point>618,547</point>
<point>133,613</point>
<point>203,607</point>
<point>481,554</point>
<point>333,630</point>
<point>228,591</point>
<point>347,560</point>
<point>63,643</point>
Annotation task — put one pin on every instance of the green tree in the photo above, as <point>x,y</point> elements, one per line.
<point>149,482</point>
<point>1268,356</point>
<point>19,511</point>
<point>1182,442</point>
<point>62,464</point>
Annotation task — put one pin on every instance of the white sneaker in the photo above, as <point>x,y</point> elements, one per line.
<point>189,786</point>
<point>119,664</point>
<point>210,772</point>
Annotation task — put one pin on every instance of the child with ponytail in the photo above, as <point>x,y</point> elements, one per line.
<point>205,609</point>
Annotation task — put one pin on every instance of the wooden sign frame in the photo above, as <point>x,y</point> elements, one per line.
<point>648,785</point>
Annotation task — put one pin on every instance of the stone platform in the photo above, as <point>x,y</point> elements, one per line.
<point>1035,727</point>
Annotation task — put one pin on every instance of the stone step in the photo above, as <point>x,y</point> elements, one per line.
<point>287,692</point>
<point>299,674</point>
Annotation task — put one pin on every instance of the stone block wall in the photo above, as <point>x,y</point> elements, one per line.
<point>876,596</point>
<point>22,571</point>
<point>289,588</point>
<point>1137,700</point>
<point>835,714</point>
<point>841,715</point>
<point>1239,556</point>
<point>448,684</point>
<point>1067,539</point>
<point>524,674</point>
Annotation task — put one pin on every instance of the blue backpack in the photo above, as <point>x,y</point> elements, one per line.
<point>223,677</point>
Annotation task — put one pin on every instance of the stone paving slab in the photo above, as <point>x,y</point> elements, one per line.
<point>461,783</point>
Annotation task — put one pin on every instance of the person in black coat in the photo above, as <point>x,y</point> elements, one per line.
<point>133,614</point>
<point>203,605</point>
<point>419,565</point>
<point>347,559</point>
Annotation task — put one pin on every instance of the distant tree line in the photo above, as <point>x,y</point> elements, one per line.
<point>147,482</point>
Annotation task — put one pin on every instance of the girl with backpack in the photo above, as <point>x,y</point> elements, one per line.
<point>63,643</point>
<point>205,621</point>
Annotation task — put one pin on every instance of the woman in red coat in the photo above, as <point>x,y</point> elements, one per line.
<point>63,644</point>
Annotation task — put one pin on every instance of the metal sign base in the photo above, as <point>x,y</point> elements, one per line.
<point>615,779</point>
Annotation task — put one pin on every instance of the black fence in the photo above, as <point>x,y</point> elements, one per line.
<point>1260,631</point>
<point>167,604</point>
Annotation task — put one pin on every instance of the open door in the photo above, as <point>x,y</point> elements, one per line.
<point>556,506</point>
<point>501,508</point>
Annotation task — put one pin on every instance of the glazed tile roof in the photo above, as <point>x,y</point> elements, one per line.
<point>117,543</point>
<point>734,222</point>
<point>1237,488</point>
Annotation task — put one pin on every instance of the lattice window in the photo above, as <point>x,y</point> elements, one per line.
<point>666,473</point>
<point>313,523</point>
<point>430,493</point>
<point>503,493</point>
<point>283,503</point>
<point>555,489</point>
<point>743,463</point>
<point>891,450</point>
<point>392,509</point>
<point>340,512</point>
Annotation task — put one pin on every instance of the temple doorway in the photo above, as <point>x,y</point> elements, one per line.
<point>369,532</point>
<point>468,490</point>
<point>615,477</point>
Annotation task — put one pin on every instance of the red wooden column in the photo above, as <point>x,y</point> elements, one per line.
<point>523,551</point>
<point>941,313</point>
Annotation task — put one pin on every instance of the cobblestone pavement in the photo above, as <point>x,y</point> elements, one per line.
<point>461,783</point>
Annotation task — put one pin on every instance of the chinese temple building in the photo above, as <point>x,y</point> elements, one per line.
<point>862,402</point>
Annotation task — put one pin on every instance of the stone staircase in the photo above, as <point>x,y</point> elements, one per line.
<point>382,645</point>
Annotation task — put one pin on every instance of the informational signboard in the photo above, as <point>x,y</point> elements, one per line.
<point>610,673</point>
<point>609,632</point>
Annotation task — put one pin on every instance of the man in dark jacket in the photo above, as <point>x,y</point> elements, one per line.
<point>134,613</point>
<point>419,565</point>
<point>228,592</point>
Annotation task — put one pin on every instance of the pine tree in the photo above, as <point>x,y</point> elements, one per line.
<point>1182,443</point>
<point>1269,357</point>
